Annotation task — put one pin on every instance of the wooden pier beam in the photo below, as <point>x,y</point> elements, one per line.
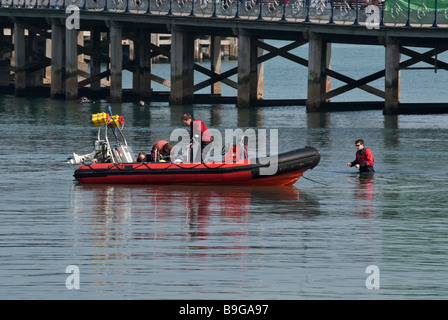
<point>392,77</point>
<point>319,59</point>
<point>215,61</point>
<point>258,89</point>
<point>47,70</point>
<point>250,73</point>
<point>71,64</point>
<point>182,64</point>
<point>57,85</point>
<point>116,62</point>
<point>19,58</point>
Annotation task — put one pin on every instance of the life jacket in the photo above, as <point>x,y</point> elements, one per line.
<point>236,153</point>
<point>156,148</point>
<point>365,157</point>
<point>198,127</point>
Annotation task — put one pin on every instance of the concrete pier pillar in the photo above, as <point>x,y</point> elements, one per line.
<point>5,61</point>
<point>182,64</point>
<point>71,64</point>
<point>215,60</point>
<point>19,59</point>
<point>319,59</point>
<point>116,62</point>
<point>33,79</point>
<point>57,86</point>
<point>95,61</point>
<point>142,77</point>
<point>392,78</point>
<point>250,74</point>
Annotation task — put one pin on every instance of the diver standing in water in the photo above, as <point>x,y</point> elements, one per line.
<point>364,158</point>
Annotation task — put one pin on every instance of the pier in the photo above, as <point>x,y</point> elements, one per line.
<point>57,48</point>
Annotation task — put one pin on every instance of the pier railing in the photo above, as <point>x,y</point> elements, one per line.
<point>371,13</point>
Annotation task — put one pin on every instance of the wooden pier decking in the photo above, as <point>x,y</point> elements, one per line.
<point>40,54</point>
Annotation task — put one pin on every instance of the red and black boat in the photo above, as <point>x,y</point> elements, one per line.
<point>117,166</point>
<point>290,167</point>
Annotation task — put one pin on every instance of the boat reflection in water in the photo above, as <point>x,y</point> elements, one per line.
<point>186,212</point>
<point>185,239</point>
<point>364,194</point>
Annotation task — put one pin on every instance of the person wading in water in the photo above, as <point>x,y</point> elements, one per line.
<point>364,158</point>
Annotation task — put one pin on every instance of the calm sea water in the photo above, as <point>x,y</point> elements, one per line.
<point>314,240</point>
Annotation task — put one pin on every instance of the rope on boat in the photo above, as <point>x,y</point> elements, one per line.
<point>171,164</point>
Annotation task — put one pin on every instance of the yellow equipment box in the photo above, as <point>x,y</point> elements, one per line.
<point>100,119</point>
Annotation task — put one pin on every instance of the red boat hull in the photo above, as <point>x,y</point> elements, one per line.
<point>290,168</point>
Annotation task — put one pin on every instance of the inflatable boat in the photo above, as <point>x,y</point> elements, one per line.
<point>289,168</point>
<point>116,165</point>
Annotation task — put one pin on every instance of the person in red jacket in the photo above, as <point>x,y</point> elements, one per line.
<point>198,132</point>
<point>161,150</point>
<point>364,158</point>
